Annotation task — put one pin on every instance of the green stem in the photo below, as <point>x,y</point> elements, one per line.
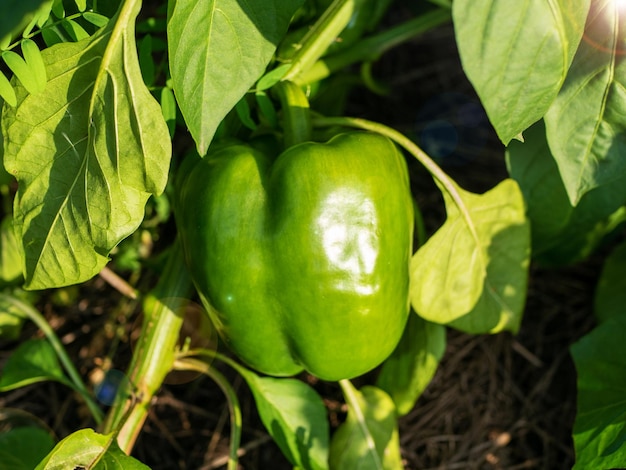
<point>445,182</point>
<point>373,47</point>
<point>189,363</point>
<point>155,350</point>
<point>296,113</point>
<point>321,35</point>
<point>47,330</point>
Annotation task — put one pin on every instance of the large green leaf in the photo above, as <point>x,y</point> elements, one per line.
<point>472,273</point>
<point>516,54</point>
<point>217,51</point>
<point>87,154</point>
<point>368,439</point>
<point>89,450</point>
<point>295,416</point>
<point>586,125</point>
<point>561,234</point>
<point>412,365</point>
<point>600,426</point>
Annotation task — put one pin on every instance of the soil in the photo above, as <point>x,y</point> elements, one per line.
<point>496,402</point>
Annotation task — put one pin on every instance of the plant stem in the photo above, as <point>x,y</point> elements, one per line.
<point>189,363</point>
<point>38,319</point>
<point>155,350</point>
<point>373,47</point>
<point>321,35</point>
<point>296,113</point>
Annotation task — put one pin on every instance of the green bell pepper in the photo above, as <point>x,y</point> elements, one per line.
<point>302,260</point>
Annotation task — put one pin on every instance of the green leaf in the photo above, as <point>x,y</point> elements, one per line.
<point>146,61</point>
<point>586,125</point>
<point>294,415</point>
<point>10,254</point>
<point>561,234</point>
<point>600,426</point>
<point>21,13</point>
<point>168,108</point>
<point>74,30</point>
<point>89,450</point>
<point>33,361</point>
<point>6,91</point>
<point>24,72</point>
<point>610,296</point>
<point>217,51</point>
<point>81,4</point>
<point>410,368</point>
<point>22,448</point>
<point>87,154</point>
<point>95,19</point>
<point>32,56</point>
<point>516,54</point>
<point>368,439</point>
<point>472,273</point>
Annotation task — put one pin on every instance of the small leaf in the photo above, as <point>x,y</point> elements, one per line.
<point>410,368</point>
<point>586,125</point>
<point>81,4</point>
<point>600,426</point>
<point>6,91</point>
<point>610,296</point>
<point>472,273</point>
<point>168,109</point>
<point>295,416</point>
<point>75,31</point>
<point>86,449</point>
<point>22,71</point>
<point>95,19</point>
<point>516,54</point>
<point>87,164</point>
<point>23,448</point>
<point>58,9</point>
<point>368,440</point>
<point>11,318</point>
<point>272,77</point>
<point>33,361</point>
<point>32,56</point>
<point>217,50</point>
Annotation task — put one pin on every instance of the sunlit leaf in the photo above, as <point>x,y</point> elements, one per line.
<point>600,426</point>
<point>87,154</point>
<point>295,416</point>
<point>74,30</point>
<point>472,273</point>
<point>23,71</point>
<point>516,54</point>
<point>89,450</point>
<point>368,439</point>
<point>32,56</point>
<point>217,50</point>
<point>6,91</point>
<point>586,125</point>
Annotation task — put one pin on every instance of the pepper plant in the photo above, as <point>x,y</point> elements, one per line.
<point>295,223</point>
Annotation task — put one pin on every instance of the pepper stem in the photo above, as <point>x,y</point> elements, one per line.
<point>296,113</point>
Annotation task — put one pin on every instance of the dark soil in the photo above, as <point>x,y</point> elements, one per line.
<point>497,402</point>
